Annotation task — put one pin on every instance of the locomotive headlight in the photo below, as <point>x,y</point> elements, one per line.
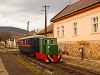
<point>48,46</point>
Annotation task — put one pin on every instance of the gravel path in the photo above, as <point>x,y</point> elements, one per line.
<point>13,67</point>
<point>92,65</point>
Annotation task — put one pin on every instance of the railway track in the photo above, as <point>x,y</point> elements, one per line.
<point>74,70</point>
<point>60,66</point>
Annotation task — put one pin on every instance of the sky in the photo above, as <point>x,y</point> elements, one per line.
<point>16,13</point>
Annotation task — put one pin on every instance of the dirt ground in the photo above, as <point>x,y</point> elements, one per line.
<point>16,68</point>
<point>13,67</point>
<point>92,65</point>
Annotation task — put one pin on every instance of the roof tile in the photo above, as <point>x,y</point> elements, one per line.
<point>49,29</point>
<point>81,4</point>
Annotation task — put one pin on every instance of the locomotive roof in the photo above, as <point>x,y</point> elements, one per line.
<point>35,36</point>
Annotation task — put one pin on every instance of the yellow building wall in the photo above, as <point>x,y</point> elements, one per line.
<point>84,25</point>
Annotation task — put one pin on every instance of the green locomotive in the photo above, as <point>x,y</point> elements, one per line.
<point>42,47</point>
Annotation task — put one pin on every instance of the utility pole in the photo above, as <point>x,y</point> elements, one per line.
<point>28,26</point>
<point>45,10</point>
<point>70,2</point>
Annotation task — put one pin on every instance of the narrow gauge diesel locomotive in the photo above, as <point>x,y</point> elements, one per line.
<point>40,46</point>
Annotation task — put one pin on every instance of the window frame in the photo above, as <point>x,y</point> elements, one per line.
<point>95,27</point>
<point>75,30</point>
<point>62,31</point>
<point>58,31</point>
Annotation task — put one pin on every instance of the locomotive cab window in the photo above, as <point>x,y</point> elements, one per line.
<point>53,42</point>
<point>46,41</point>
<point>50,41</point>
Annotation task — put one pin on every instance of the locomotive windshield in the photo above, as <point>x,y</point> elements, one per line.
<point>50,41</point>
<point>53,42</point>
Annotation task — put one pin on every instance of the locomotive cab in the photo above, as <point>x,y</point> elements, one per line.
<point>51,46</point>
<point>49,50</point>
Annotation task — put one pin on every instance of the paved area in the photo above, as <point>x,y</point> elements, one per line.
<point>3,70</point>
<point>93,65</point>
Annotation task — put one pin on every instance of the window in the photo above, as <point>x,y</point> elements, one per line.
<point>75,29</point>
<point>53,41</point>
<point>62,30</point>
<point>27,41</point>
<point>23,42</point>
<point>95,24</point>
<point>46,41</point>
<point>58,31</point>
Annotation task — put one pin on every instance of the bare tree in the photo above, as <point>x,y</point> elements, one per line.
<point>5,36</point>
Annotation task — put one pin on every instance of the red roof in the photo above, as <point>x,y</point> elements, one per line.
<point>49,29</point>
<point>70,9</point>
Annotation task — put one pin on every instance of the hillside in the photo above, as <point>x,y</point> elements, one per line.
<point>14,31</point>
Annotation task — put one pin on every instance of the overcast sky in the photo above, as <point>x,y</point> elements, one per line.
<point>16,13</point>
